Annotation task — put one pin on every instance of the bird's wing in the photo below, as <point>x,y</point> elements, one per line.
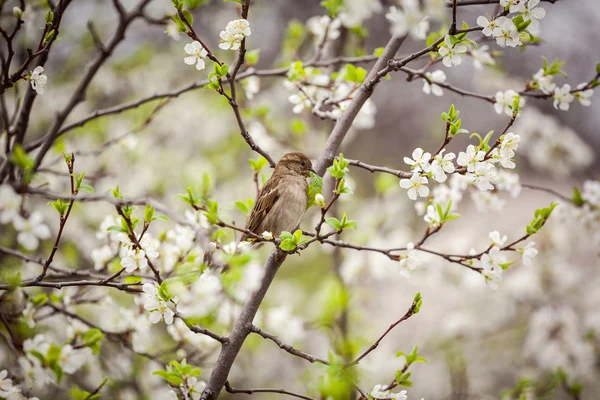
<point>267,197</point>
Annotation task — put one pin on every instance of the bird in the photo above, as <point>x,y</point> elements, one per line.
<point>281,203</point>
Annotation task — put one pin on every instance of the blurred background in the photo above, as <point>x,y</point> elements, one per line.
<point>478,342</point>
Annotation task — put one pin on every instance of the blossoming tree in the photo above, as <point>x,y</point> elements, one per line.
<point>151,295</point>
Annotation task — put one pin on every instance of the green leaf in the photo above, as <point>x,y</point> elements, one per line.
<point>378,52</point>
<point>252,56</point>
<point>87,188</point>
<point>149,213</point>
<point>577,199</point>
<point>258,164</point>
<point>287,245</point>
<point>162,217</point>
<point>314,188</point>
<point>115,228</point>
<point>334,222</point>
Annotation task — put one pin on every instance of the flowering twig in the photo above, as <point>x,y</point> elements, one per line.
<point>407,315</point>
<point>63,219</point>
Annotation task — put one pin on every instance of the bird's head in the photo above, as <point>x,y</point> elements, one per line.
<point>294,163</point>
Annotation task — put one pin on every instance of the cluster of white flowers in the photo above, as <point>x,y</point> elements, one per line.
<point>234,33</point>
<point>231,39</point>
<point>134,257</point>
<point>323,25</point>
<point>315,87</point>
<point>505,100</point>
<point>544,82</point>
<point>422,166</point>
<point>36,374</point>
<point>354,12</point>
<point>410,19</point>
<point>158,307</point>
<point>382,392</point>
<point>31,230</point>
<point>504,30</point>
<point>501,28</point>
<point>434,77</point>
<point>10,391</point>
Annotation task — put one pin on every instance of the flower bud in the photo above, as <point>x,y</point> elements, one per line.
<point>17,12</point>
<point>320,200</point>
<point>267,235</point>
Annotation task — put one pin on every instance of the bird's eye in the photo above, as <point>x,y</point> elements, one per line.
<point>302,163</point>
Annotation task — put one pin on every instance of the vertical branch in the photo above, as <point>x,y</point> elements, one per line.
<point>241,329</point>
<point>344,123</point>
<point>243,324</point>
<point>453,26</point>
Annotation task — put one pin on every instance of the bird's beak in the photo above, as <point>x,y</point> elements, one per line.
<point>313,171</point>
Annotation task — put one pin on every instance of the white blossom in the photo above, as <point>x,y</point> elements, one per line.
<point>507,34</point>
<point>505,100</point>
<point>441,165</point>
<point>419,161</point>
<point>71,360</point>
<point>484,175</point>
<point>195,387</point>
<point>416,186</point>
<point>491,27</point>
<point>432,217</point>
<point>563,97</point>
<point>544,82</point>
<point>408,20</point>
<point>6,385</point>
<point>31,230</point>
<point>318,25</point>
<point>437,76</point>
<point>482,57</point>
<point>173,31</point>
<point>38,79</point>
<point>10,202</point>
<point>497,239</point>
<point>197,54</point>
<point>514,6</point>
<point>410,260</point>
<point>584,96</point>
<point>135,259</point>
<point>470,158</point>
<point>300,102</point>
<point>451,53</point>
<point>157,306</point>
<point>492,263</point>
<point>234,33</point>
<point>101,257</point>
<point>533,13</point>
<point>379,392</point>
<point>528,252</point>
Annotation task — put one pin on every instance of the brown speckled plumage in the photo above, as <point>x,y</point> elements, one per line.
<point>281,203</point>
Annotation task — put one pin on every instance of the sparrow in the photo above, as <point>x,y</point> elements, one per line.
<point>281,203</point>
